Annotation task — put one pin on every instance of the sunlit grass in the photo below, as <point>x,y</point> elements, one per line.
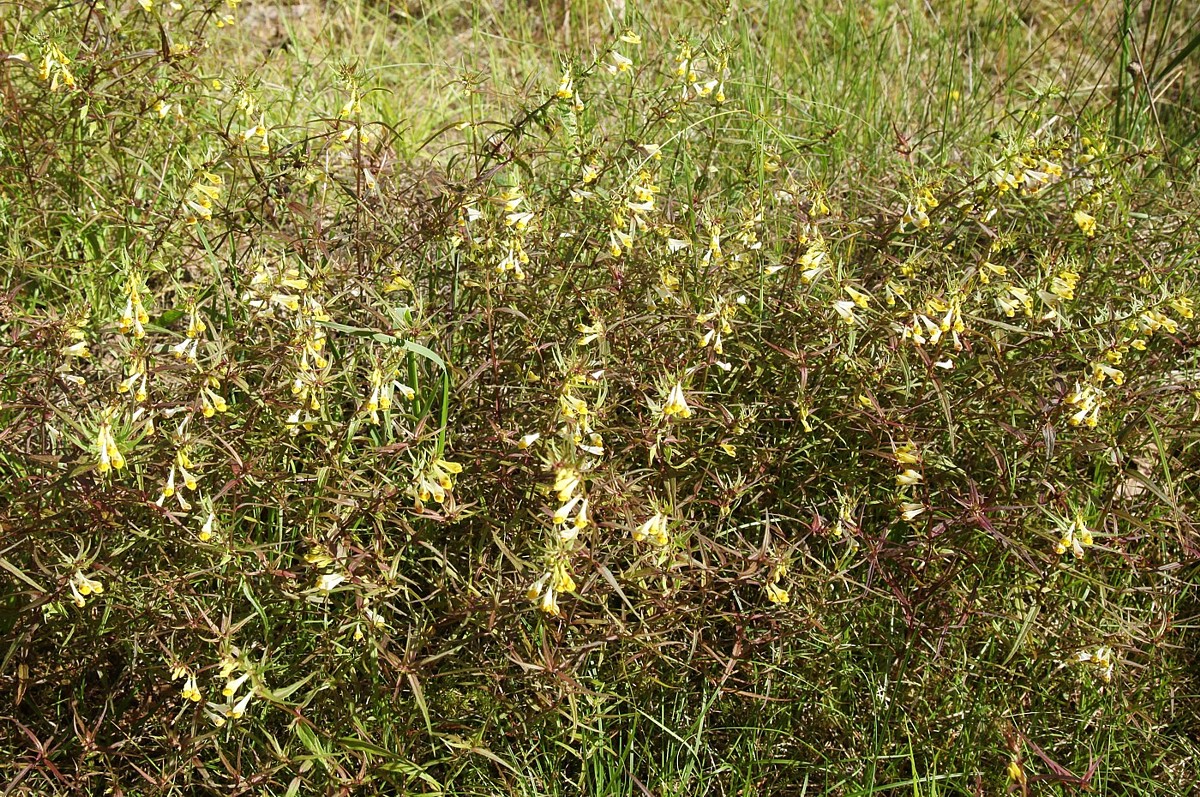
<point>598,398</point>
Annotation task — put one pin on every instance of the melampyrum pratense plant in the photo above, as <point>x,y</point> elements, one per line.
<point>319,472</point>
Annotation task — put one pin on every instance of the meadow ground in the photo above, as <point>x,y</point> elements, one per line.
<point>599,398</point>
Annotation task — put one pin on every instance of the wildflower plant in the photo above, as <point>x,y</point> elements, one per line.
<point>407,449</point>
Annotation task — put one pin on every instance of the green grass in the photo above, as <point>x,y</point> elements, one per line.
<point>917,656</point>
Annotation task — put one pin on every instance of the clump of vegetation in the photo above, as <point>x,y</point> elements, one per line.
<point>720,423</point>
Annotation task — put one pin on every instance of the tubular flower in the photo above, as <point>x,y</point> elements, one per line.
<point>200,198</point>
<point>260,132</point>
<point>191,690</point>
<point>186,349</point>
<point>777,594</point>
<point>135,383</point>
<point>234,684</point>
<point>561,514</point>
<point>566,86</point>
<point>82,587</point>
<point>1151,321</point>
<point>1086,223</point>
<point>676,404</point>
<point>654,530</point>
<point>207,531</point>
<point>1064,283</point>
<point>1102,660</point>
<point>617,63</point>
<point>907,454</point>
<point>134,315</point>
<point>211,402</point>
<point>910,510</point>
<point>1087,402</point>
<point>1182,305</point>
<point>108,454</point>
<point>861,299</point>
<point>239,709</point>
<point>549,604</point>
<point>845,310</point>
<point>1101,370</point>
<point>55,68</point>
<point>1075,537</point>
<point>566,481</point>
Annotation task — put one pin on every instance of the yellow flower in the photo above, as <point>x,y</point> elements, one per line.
<point>561,514</point>
<point>654,530</point>
<point>566,481</point>
<point>233,685</point>
<point>907,454</point>
<point>1087,401</point>
<point>676,404</point>
<point>1182,305</point>
<point>1075,537</point>
<point>549,603</point>
<point>566,86</point>
<point>109,456</point>
<point>82,587</point>
<point>909,478</point>
<point>535,589</point>
<point>329,581</point>
<point>1102,660</point>
<point>54,68</point>
<point>777,594</point>
<point>1086,222</point>
<point>527,440</point>
<point>845,309</point>
<point>562,579</point>
<point>239,709</point>
<point>206,531</point>
<point>861,299</point>
<point>1063,285</point>
<point>617,63</point>
<point>191,690</point>
<point>1100,371</point>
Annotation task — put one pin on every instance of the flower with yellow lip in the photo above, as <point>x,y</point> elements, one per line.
<point>329,582</point>
<point>617,63</point>
<point>1075,537</point>
<point>54,68</point>
<point>566,86</point>
<point>777,594</point>
<point>82,587</point>
<point>239,709</point>
<point>1087,402</point>
<point>191,690</point>
<point>654,530</point>
<point>676,403</point>
<point>207,531</point>
<point>134,316</point>
<point>1086,223</point>
<point>549,604</point>
<point>564,511</point>
<point>233,685</point>
<point>566,481</point>
<point>907,454</point>
<point>108,454</point>
<point>845,310</point>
